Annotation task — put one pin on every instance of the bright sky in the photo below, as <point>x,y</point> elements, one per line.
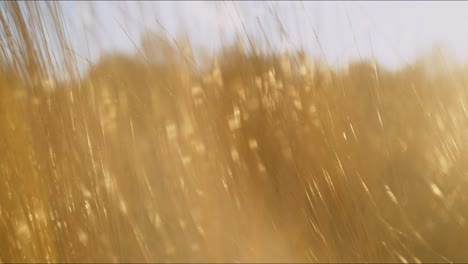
<point>395,31</point>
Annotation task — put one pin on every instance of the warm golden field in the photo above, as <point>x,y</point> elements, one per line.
<point>259,158</point>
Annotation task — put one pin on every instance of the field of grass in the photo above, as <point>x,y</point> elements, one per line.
<point>259,158</point>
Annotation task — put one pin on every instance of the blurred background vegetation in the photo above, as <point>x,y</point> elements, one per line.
<point>250,156</point>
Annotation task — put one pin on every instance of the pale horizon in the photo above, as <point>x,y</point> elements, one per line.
<point>393,32</point>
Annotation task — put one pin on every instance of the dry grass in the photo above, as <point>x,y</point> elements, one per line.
<point>258,158</point>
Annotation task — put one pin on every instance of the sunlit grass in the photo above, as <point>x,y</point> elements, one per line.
<point>251,157</point>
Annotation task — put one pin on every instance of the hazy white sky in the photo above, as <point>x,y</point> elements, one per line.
<point>395,31</point>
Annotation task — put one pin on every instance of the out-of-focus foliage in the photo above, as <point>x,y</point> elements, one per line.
<point>257,158</point>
